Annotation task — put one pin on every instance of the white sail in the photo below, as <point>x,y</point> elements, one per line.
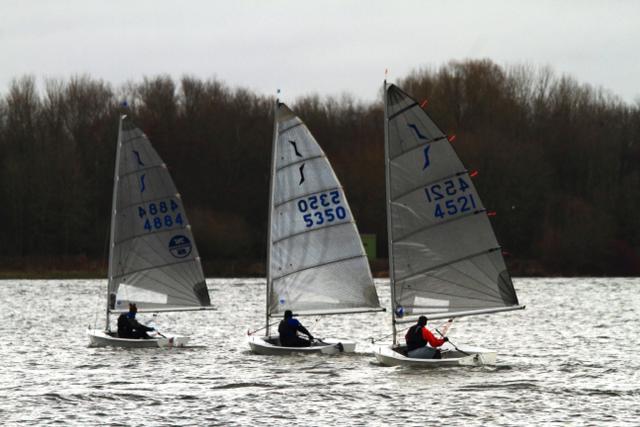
<point>444,257</point>
<point>317,263</point>
<point>153,259</point>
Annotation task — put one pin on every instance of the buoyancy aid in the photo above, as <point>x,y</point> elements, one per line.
<point>414,338</point>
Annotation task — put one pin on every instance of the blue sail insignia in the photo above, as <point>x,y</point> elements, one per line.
<point>140,163</point>
<point>426,157</point>
<point>295,148</point>
<point>301,174</point>
<point>142,186</point>
<point>417,131</point>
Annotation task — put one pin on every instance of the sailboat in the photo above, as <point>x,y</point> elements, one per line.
<point>153,259</point>
<point>316,263</point>
<point>444,259</point>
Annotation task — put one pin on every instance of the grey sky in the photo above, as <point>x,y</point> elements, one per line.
<point>326,47</point>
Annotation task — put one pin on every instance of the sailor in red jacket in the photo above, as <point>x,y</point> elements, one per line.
<point>417,338</point>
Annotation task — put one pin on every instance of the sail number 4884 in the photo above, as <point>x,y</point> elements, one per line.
<point>164,214</point>
<point>447,197</point>
<point>321,208</point>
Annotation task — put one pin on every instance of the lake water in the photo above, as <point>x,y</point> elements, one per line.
<point>570,358</point>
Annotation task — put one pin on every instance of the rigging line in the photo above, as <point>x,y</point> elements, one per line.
<point>418,273</point>
<point>338,188</point>
<point>430,183</point>
<point>324,227</point>
<point>436,224</point>
<point>317,266</point>
<point>291,127</point>
<point>308,159</point>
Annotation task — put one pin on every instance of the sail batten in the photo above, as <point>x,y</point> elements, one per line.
<point>319,228</point>
<point>443,253</point>
<point>426,227</point>
<point>318,265</point>
<point>299,162</point>
<point>302,196</point>
<point>397,113</point>
<point>153,258</point>
<point>316,261</point>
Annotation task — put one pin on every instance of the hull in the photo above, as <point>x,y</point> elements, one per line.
<point>100,338</point>
<point>388,356</point>
<point>268,346</point>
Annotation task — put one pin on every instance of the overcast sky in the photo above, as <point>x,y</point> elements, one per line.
<point>326,47</point>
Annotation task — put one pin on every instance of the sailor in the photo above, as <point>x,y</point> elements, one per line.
<point>129,327</point>
<point>417,338</point>
<point>289,328</point>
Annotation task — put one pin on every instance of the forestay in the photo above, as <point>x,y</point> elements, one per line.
<point>317,261</point>
<point>445,257</point>
<point>153,259</point>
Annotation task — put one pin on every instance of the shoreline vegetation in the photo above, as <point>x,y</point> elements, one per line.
<point>80,267</point>
<point>558,162</point>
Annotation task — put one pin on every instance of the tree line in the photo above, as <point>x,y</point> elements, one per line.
<point>557,162</point>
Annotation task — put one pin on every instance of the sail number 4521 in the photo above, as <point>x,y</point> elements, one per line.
<point>447,197</point>
<point>321,208</point>
<point>164,214</point>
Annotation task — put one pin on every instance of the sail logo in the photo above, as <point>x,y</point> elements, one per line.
<point>180,246</point>
<point>142,186</point>
<point>140,162</point>
<point>417,131</point>
<point>297,153</point>
<point>301,174</point>
<point>426,157</point>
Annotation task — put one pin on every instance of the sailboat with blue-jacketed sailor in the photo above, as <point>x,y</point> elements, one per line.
<point>316,263</point>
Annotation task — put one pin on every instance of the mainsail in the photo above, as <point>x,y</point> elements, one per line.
<point>444,257</point>
<point>317,263</point>
<point>153,259</point>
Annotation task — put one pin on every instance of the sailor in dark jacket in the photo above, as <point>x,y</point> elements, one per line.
<point>417,338</point>
<point>289,328</point>
<point>129,327</point>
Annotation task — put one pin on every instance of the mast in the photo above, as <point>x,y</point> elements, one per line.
<point>389,231</point>
<point>112,232</point>
<point>271,187</point>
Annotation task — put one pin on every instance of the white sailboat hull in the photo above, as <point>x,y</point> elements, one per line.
<point>266,346</point>
<point>100,338</point>
<point>476,356</point>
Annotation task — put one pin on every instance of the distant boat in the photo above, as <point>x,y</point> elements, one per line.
<point>153,259</point>
<point>444,259</point>
<point>316,263</point>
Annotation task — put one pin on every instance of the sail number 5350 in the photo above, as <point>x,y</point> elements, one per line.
<point>321,208</point>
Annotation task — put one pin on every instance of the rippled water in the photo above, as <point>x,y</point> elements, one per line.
<point>570,358</point>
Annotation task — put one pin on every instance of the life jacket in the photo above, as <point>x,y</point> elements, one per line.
<point>414,338</point>
<point>124,327</point>
<point>286,329</point>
